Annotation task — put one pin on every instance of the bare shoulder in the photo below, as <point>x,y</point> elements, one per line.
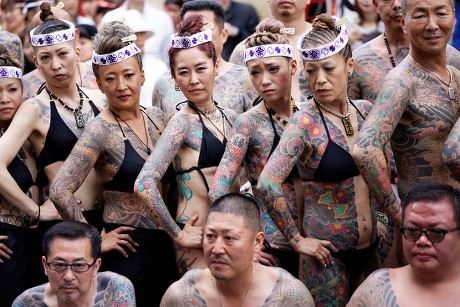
<point>453,56</point>
<point>114,290</point>
<point>231,115</point>
<point>376,291</point>
<point>288,291</point>
<point>97,97</point>
<point>364,106</point>
<point>184,292</point>
<point>33,297</point>
<point>156,115</point>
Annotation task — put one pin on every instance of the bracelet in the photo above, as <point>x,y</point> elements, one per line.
<point>382,218</point>
<point>35,223</point>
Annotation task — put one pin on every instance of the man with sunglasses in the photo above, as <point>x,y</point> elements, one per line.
<point>431,244</point>
<point>71,259</point>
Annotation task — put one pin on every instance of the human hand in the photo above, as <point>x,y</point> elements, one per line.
<point>5,252</point>
<point>319,249</point>
<point>191,236</point>
<point>48,212</point>
<point>264,255</point>
<point>117,240</point>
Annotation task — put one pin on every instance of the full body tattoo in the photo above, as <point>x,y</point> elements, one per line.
<point>331,210</point>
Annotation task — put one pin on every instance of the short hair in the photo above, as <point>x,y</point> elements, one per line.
<point>239,205</point>
<point>404,6</point>
<point>268,31</point>
<point>205,5</point>
<point>189,26</point>
<point>108,40</point>
<point>324,32</point>
<point>434,192</point>
<point>73,230</point>
<point>50,23</point>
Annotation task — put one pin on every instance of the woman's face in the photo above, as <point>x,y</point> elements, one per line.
<point>86,49</point>
<point>10,99</point>
<point>194,74</point>
<point>13,17</point>
<point>58,63</point>
<point>121,83</point>
<point>366,6</point>
<point>328,78</point>
<point>272,77</point>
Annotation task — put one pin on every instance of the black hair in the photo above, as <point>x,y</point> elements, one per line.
<point>205,5</point>
<point>73,230</point>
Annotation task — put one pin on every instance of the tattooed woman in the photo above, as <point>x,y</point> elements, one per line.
<point>339,237</point>
<point>16,219</point>
<point>194,141</point>
<point>116,144</point>
<point>257,132</point>
<point>52,121</point>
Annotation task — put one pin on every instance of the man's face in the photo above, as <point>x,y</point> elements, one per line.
<point>288,9</point>
<point>229,245</point>
<point>68,285</point>
<point>427,258</point>
<point>219,36</point>
<point>429,24</point>
<point>390,13</point>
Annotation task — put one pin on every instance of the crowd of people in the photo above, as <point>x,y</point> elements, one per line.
<point>184,157</point>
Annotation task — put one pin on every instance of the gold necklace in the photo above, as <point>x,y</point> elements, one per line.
<point>450,89</point>
<point>345,117</point>
<point>247,290</point>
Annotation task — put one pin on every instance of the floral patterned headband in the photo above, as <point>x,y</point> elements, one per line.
<point>322,52</point>
<point>182,42</point>
<point>117,56</point>
<point>264,51</point>
<point>54,38</point>
<point>10,72</point>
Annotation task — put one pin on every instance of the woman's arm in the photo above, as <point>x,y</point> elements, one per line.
<point>165,150</point>
<point>23,125</point>
<point>294,142</point>
<point>75,169</point>
<point>230,165</point>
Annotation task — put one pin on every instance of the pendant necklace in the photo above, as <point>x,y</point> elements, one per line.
<point>222,132</point>
<point>392,59</point>
<point>79,119</point>
<point>450,89</point>
<point>116,116</point>
<point>345,117</point>
<point>247,290</point>
<point>277,116</point>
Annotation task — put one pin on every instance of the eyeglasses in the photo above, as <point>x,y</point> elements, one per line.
<point>433,234</point>
<point>76,267</point>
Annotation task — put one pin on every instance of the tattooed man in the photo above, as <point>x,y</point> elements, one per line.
<point>232,234</point>
<point>71,261</point>
<point>431,243</point>
<point>377,57</point>
<point>415,110</point>
<point>232,87</point>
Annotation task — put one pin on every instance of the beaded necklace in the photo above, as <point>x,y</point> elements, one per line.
<point>79,119</point>
<point>392,59</point>
<point>277,116</point>
<point>345,117</point>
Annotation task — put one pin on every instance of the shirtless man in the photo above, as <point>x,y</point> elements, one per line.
<point>232,87</point>
<point>431,243</point>
<point>292,14</point>
<point>231,278</point>
<point>71,259</point>
<point>416,108</point>
<point>377,57</point>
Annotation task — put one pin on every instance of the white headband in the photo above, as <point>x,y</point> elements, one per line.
<point>117,56</point>
<point>322,52</point>
<point>191,41</point>
<point>10,72</point>
<point>264,51</point>
<point>54,38</point>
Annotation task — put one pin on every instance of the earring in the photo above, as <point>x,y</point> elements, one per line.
<point>217,73</point>
<point>176,87</point>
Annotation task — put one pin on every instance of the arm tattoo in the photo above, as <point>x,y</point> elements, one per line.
<point>163,154</point>
<point>75,169</point>
<point>375,291</point>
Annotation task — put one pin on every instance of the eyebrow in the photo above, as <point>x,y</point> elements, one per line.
<point>198,64</point>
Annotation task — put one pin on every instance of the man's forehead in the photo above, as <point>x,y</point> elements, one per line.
<point>224,220</point>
